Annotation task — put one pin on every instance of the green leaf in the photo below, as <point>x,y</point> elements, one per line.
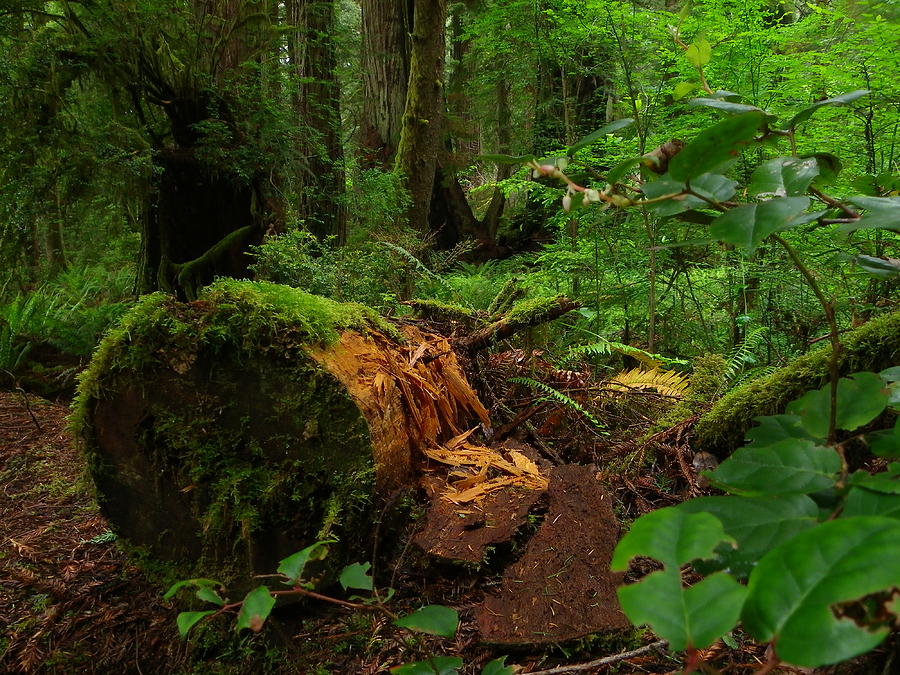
<point>692,617</point>
<point>829,166</point>
<point>783,177</point>
<point>498,667</point>
<point>747,226</point>
<point>187,620</point>
<point>356,576</point>
<point>774,428</point>
<point>190,583</point>
<point>682,89</point>
<point>860,398</point>
<point>883,213</point>
<point>880,268</point>
<point>728,106</point>
<point>711,185</point>
<point>209,595</point>
<point>610,128</point>
<point>506,159</point>
<point>622,168</point>
<point>431,619</point>
<point>885,443</point>
<point>436,665</point>
<point>887,482</point>
<point>670,535</point>
<point>255,609</point>
<point>843,99</point>
<point>716,145</point>
<point>794,587</point>
<point>863,502</point>
<point>792,466</point>
<point>699,53</point>
<point>292,567</point>
<point>757,524</point>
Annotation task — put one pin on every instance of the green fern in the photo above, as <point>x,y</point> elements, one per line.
<point>742,354</point>
<point>22,317</point>
<point>559,397</point>
<point>604,347</point>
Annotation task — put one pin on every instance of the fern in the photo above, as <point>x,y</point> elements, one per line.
<point>559,397</point>
<point>752,374</point>
<point>605,347</point>
<point>418,265</point>
<point>22,317</point>
<point>668,382</point>
<point>742,354</point>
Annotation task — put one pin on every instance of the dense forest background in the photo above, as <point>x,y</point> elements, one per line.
<point>337,146</point>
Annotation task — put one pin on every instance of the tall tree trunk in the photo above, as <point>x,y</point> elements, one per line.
<point>422,128</point>
<point>386,56</point>
<point>317,103</point>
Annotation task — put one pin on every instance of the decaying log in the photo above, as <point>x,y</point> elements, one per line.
<point>523,315</point>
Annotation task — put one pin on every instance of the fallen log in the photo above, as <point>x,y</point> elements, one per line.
<point>234,430</point>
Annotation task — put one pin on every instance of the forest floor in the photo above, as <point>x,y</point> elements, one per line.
<point>72,601</point>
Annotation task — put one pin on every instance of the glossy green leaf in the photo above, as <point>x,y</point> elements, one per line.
<point>747,226</point>
<point>881,213</point>
<point>187,620</point>
<point>682,89</point>
<point>715,145</point>
<point>772,429</point>
<point>863,502</point>
<point>783,177</point>
<point>595,136</point>
<point>209,595</point>
<point>885,443</point>
<point>860,399</point>
<point>880,268</point>
<point>356,576</point>
<point>713,186</point>
<point>757,524</point>
<point>843,99</point>
<point>431,619</point>
<point>498,667</point>
<point>794,587</point>
<point>436,665</point>
<point>829,167</point>
<point>699,52</point>
<point>255,609</point>
<point>728,106</point>
<point>727,95</point>
<point>292,567</point>
<point>886,482</point>
<point>692,617</point>
<point>190,583</point>
<point>791,466</point>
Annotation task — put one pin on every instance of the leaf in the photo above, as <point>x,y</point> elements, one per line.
<point>682,89</point>
<point>595,136</point>
<point>829,166</point>
<point>757,524</point>
<point>714,186</point>
<point>880,268</point>
<point>187,620</point>
<point>436,665</point>
<point>860,399</point>
<point>728,106</point>
<point>716,145</point>
<point>670,535</point>
<point>188,583</point>
<point>431,619</point>
<point>887,482</point>
<point>783,177</point>
<point>622,168</point>
<point>356,576</point>
<point>666,382</point>
<point>292,567</point>
<point>843,99</point>
<point>794,587</point>
<point>775,428</point>
<point>885,443</point>
<point>699,52</point>
<point>209,595</point>
<point>863,502</point>
<point>747,226</point>
<point>498,667</point>
<point>255,609</point>
<point>692,617</point>
<point>883,213</point>
<point>792,466</point>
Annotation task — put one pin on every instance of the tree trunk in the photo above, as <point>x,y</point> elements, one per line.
<point>422,128</point>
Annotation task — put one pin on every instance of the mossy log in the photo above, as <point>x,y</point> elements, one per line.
<point>873,346</point>
<point>226,433</point>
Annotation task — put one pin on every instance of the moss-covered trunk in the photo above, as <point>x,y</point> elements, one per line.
<point>237,429</point>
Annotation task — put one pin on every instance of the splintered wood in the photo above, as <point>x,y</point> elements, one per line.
<point>479,471</point>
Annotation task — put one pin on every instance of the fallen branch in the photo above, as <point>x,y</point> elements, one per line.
<point>523,315</point>
<point>605,661</point>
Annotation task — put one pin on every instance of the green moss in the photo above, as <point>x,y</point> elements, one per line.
<point>445,311</point>
<point>874,346</point>
<point>533,311</point>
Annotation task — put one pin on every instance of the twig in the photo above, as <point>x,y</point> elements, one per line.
<point>606,660</point>
<point>28,408</point>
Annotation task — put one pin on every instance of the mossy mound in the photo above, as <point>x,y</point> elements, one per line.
<point>234,430</point>
<point>873,346</point>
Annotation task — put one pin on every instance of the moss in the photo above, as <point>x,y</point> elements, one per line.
<point>253,448</point>
<point>510,293</point>
<point>533,311</point>
<point>873,346</point>
<point>444,311</point>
